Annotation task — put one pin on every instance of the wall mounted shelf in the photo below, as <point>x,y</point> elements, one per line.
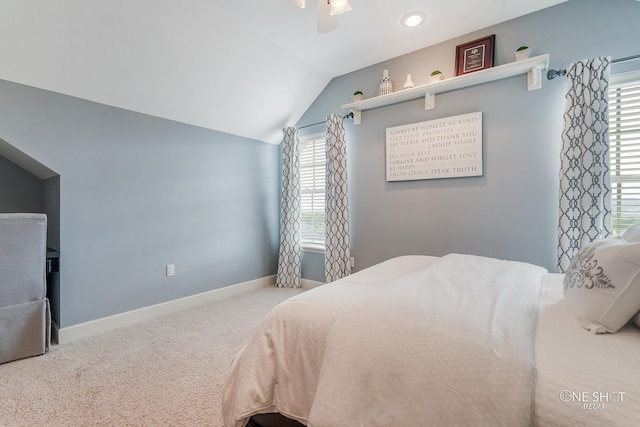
<point>533,67</point>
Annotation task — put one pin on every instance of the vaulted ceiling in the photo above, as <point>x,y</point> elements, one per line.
<point>246,67</point>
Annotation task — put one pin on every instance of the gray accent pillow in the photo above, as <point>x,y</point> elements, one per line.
<point>602,284</point>
<point>636,319</point>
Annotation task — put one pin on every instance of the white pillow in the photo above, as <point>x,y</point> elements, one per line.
<point>602,284</point>
<point>632,234</point>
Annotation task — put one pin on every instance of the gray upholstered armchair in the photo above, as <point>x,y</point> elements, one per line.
<point>25,319</point>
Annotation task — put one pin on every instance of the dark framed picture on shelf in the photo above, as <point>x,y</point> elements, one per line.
<point>475,55</point>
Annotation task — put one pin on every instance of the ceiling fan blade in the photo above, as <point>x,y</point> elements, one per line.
<point>326,22</point>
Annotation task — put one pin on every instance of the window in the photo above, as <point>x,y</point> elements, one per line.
<point>624,148</point>
<point>312,189</point>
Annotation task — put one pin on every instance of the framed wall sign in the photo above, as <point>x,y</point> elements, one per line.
<point>475,55</point>
<point>444,148</point>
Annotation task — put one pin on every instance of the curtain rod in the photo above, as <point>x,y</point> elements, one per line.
<point>628,58</point>
<point>346,116</point>
<point>552,74</point>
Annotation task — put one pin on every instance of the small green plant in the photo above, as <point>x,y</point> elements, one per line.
<point>522,48</point>
<point>436,72</point>
<point>357,93</point>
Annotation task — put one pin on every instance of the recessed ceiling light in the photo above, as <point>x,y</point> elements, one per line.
<point>413,19</point>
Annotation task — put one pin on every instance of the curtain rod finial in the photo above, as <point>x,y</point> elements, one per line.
<point>552,74</point>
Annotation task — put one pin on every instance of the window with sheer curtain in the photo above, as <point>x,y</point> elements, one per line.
<point>624,148</point>
<point>312,191</point>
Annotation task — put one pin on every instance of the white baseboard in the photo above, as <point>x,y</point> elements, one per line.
<point>309,284</point>
<point>93,327</point>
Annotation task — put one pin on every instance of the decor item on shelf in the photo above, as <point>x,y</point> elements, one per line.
<point>357,96</point>
<point>532,68</point>
<point>523,52</point>
<point>436,76</point>
<point>475,55</point>
<point>386,85</point>
<point>409,83</point>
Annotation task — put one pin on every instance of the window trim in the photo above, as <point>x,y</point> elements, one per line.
<point>623,79</point>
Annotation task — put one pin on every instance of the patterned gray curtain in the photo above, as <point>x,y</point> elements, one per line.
<point>337,255</point>
<point>585,182</point>
<point>289,254</point>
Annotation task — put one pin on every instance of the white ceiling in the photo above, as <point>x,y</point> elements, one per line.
<point>246,67</point>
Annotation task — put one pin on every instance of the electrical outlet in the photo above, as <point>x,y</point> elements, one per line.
<point>170,270</point>
<point>353,262</point>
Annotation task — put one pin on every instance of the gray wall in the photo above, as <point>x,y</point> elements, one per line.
<point>138,192</point>
<point>510,212</point>
<point>20,191</point>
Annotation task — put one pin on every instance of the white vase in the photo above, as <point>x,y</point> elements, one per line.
<point>436,78</point>
<point>522,54</point>
<point>358,97</point>
<point>409,83</point>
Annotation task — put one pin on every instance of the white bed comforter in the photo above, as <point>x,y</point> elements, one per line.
<point>448,344</point>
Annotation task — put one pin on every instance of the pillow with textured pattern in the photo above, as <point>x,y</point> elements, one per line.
<point>602,284</point>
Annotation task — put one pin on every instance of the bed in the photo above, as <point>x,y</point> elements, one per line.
<point>420,340</point>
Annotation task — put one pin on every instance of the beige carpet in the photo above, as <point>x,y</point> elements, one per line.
<point>165,372</point>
